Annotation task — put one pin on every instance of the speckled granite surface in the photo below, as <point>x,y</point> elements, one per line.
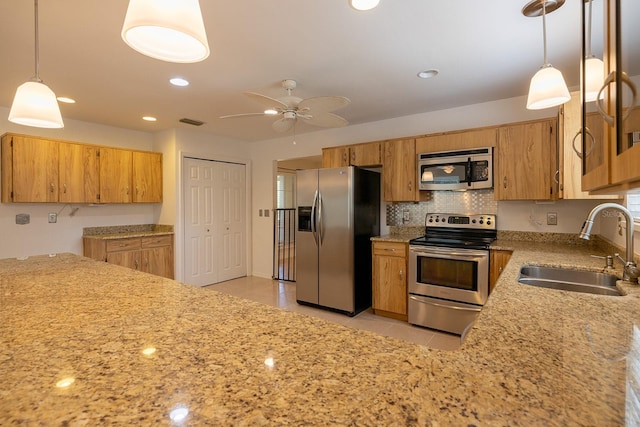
<point>535,357</point>
<point>120,231</point>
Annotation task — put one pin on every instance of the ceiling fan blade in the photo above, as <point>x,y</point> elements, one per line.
<point>266,101</point>
<point>328,120</point>
<point>231,116</point>
<point>324,103</point>
<point>283,125</point>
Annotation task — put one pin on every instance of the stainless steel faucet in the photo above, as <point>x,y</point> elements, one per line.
<point>631,271</point>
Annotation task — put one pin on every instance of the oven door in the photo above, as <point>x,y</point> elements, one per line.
<point>449,273</point>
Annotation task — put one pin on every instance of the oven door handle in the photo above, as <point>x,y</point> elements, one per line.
<point>430,251</point>
<point>454,307</point>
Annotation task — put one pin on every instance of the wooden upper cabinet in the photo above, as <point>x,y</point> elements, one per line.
<point>115,175</point>
<point>79,177</point>
<point>147,177</point>
<point>459,140</point>
<point>335,157</point>
<point>367,154</point>
<point>29,169</point>
<point>399,171</point>
<point>526,161</point>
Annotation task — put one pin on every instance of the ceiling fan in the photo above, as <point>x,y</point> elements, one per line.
<point>315,111</point>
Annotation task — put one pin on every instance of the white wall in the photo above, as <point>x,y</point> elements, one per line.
<point>40,237</point>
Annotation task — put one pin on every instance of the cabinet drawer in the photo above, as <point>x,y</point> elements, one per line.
<point>390,249</point>
<point>156,241</point>
<point>123,244</point>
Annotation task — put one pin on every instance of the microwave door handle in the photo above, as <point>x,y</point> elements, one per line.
<point>468,172</point>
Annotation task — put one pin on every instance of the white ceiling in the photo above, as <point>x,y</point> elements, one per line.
<point>485,50</point>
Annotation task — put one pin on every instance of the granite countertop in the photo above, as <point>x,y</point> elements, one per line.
<point>126,231</point>
<point>534,357</point>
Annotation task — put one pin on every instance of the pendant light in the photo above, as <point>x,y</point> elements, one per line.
<point>34,103</point>
<point>547,88</point>
<point>363,4</point>
<point>169,30</point>
<point>593,66</point>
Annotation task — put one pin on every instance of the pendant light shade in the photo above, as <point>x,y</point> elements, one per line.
<point>547,88</point>
<point>594,71</point>
<point>34,103</point>
<point>169,30</point>
<point>363,4</point>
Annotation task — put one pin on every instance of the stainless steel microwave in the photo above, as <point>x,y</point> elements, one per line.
<point>470,169</point>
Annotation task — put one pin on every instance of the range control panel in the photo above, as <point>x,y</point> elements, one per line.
<point>476,221</point>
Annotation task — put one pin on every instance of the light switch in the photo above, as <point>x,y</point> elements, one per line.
<point>266,212</point>
<point>259,212</point>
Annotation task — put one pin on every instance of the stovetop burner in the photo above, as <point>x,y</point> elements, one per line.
<point>473,231</point>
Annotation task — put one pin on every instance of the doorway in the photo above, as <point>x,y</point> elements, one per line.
<point>214,221</point>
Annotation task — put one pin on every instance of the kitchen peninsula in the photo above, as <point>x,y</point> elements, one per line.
<point>87,342</point>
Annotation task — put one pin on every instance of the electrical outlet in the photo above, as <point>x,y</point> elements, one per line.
<point>406,216</point>
<point>552,218</point>
<point>53,217</point>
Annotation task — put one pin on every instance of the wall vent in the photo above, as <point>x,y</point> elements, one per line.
<point>191,121</point>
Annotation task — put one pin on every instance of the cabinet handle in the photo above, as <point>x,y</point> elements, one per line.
<point>611,78</point>
<point>344,156</point>
<point>52,187</point>
<point>137,190</point>
<point>389,249</point>
<point>593,142</point>
<point>127,190</point>
<point>504,182</point>
<point>353,157</point>
<point>556,176</point>
<point>64,188</point>
<point>135,263</point>
<point>400,274</point>
<point>410,186</point>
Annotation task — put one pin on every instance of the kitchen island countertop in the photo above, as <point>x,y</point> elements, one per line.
<point>138,349</point>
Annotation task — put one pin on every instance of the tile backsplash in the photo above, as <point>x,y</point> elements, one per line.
<point>458,202</point>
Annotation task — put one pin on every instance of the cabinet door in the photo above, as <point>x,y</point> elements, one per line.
<point>527,161</point>
<point>34,164</point>
<point>129,259</point>
<point>366,154</point>
<point>158,261</point>
<point>390,285</point>
<point>335,157</point>
<point>115,175</point>
<point>498,261</point>
<point>147,177</point>
<point>399,171</point>
<point>79,173</point>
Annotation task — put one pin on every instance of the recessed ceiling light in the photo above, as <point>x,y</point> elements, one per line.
<point>149,118</point>
<point>363,4</point>
<point>66,100</point>
<point>179,81</point>
<point>427,74</point>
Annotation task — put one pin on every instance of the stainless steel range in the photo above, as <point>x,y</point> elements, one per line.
<point>449,271</point>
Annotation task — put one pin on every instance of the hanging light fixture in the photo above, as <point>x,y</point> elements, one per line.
<point>34,103</point>
<point>169,30</point>
<point>547,88</point>
<point>593,66</point>
<point>363,4</point>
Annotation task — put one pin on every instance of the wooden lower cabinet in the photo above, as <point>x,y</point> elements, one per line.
<point>498,260</point>
<point>150,254</point>
<point>390,261</point>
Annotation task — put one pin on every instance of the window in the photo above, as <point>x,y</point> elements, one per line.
<point>633,204</point>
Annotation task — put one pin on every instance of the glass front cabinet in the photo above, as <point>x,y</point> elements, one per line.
<point>609,91</point>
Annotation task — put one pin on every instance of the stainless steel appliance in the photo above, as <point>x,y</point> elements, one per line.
<point>338,211</point>
<point>449,271</point>
<point>456,170</point>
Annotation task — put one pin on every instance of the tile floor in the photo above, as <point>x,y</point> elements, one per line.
<point>283,295</point>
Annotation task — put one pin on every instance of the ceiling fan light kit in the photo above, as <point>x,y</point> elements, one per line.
<point>34,103</point>
<point>547,88</point>
<point>168,30</point>
<point>314,111</point>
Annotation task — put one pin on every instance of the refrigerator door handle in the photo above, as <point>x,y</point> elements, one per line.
<point>320,231</point>
<point>313,218</point>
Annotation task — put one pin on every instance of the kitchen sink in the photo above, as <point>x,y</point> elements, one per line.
<point>569,280</point>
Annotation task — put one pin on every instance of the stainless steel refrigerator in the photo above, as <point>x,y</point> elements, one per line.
<point>338,211</point>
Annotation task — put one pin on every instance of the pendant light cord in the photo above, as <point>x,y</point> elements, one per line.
<point>544,30</point>
<point>588,41</point>
<point>37,49</point>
